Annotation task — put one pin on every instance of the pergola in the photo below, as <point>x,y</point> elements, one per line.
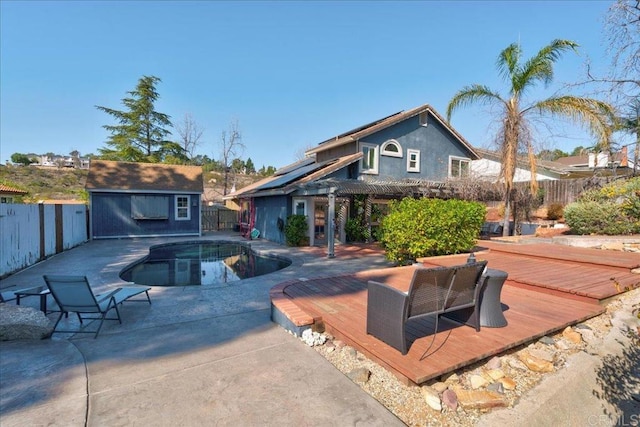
<point>333,187</point>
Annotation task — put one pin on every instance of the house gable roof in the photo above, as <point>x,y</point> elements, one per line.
<point>368,129</point>
<point>554,168</point>
<point>106,175</point>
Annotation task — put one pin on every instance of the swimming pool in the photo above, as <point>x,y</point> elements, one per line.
<point>201,262</point>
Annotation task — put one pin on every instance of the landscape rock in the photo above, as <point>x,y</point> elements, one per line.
<point>477,381</point>
<point>440,387</point>
<point>450,399</point>
<point>432,398</point>
<point>516,364</point>
<point>534,363</point>
<point>313,338</point>
<point>452,379</point>
<point>23,323</point>
<point>497,387</point>
<point>480,399</point>
<point>495,374</point>
<point>494,363</point>
<point>359,375</point>
<point>507,383</point>
<point>613,246</point>
<point>542,354</point>
<point>547,341</point>
<point>572,335</point>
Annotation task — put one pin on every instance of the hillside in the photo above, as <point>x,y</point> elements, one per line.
<point>47,183</point>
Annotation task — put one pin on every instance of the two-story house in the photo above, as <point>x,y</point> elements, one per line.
<point>407,153</point>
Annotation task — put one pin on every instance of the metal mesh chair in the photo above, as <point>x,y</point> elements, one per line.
<point>73,294</point>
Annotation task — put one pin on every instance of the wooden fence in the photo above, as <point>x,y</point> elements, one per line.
<point>216,218</point>
<point>565,191</point>
<point>31,233</point>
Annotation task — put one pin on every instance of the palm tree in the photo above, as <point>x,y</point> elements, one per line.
<point>515,134</point>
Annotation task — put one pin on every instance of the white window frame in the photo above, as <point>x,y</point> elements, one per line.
<point>376,158</point>
<point>392,142</point>
<point>294,205</point>
<point>413,156</point>
<point>461,160</point>
<point>179,209</point>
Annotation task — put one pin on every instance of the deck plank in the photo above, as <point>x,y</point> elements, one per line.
<point>542,295</point>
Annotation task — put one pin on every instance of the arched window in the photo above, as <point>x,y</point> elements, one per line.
<point>391,148</point>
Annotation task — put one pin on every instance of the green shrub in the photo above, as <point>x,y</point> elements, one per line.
<point>555,211</point>
<point>356,231</point>
<point>612,209</point>
<point>597,217</point>
<point>295,230</point>
<point>417,228</point>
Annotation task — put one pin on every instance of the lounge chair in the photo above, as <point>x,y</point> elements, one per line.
<point>73,294</point>
<point>432,292</point>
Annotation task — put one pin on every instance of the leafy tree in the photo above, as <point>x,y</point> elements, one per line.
<point>578,151</point>
<point>141,132</point>
<point>516,113</point>
<point>266,171</point>
<point>21,159</point>
<point>238,165</point>
<point>551,154</point>
<point>249,167</point>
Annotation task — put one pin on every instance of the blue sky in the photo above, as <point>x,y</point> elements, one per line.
<point>291,73</point>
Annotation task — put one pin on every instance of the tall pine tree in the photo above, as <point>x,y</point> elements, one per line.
<point>141,132</point>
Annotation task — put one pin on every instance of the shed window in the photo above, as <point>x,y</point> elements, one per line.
<point>391,148</point>
<point>459,167</point>
<point>183,210</point>
<point>149,207</point>
<point>413,160</point>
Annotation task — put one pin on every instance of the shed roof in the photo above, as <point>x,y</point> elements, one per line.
<point>5,189</point>
<point>106,175</point>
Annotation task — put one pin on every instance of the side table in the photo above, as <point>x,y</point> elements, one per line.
<point>41,291</point>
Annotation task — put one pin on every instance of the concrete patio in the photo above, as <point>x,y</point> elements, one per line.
<point>196,356</point>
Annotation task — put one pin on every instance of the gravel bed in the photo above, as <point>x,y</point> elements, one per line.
<point>408,403</point>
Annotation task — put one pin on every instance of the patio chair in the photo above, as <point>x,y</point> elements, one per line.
<point>432,292</point>
<point>73,294</point>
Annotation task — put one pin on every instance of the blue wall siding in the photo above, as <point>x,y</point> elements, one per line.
<point>434,142</point>
<point>268,210</point>
<point>111,217</point>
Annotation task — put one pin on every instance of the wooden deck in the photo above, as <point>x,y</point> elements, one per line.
<point>542,295</point>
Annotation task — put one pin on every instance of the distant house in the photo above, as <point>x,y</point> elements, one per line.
<point>407,153</point>
<point>9,194</point>
<point>490,162</point>
<point>143,199</point>
<point>602,163</point>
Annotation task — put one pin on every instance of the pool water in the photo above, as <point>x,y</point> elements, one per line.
<point>205,262</point>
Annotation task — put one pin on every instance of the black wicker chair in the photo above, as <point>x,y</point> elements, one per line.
<point>433,291</point>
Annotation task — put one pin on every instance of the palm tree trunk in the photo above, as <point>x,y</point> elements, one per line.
<point>507,213</point>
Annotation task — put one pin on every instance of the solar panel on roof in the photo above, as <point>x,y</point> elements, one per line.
<point>301,163</point>
<point>291,176</point>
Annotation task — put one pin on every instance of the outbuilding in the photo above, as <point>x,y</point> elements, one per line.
<point>143,199</point>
